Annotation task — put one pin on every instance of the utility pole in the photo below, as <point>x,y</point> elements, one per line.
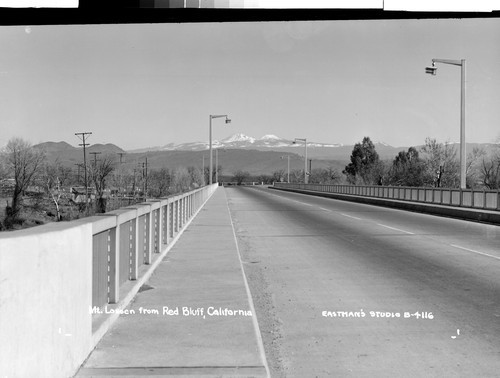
<point>78,165</point>
<point>120,194</point>
<point>142,165</point>
<point>134,185</point>
<point>95,157</point>
<point>82,136</point>
<point>288,171</point>
<point>95,170</point>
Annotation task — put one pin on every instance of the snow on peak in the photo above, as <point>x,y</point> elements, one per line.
<point>239,137</point>
<point>270,136</point>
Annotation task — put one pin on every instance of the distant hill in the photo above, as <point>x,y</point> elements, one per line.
<point>107,148</point>
<point>254,161</point>
<point>69,155</point>
<point>51,147</point>
<point>253,155</point>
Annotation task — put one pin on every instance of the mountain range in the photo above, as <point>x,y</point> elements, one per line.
<point>269,142</point>
<point>238,151</point>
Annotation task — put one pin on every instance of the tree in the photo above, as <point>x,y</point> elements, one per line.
<point>473,168</point>
<point>442,169</point>
<point>99,172</point>
<point>240,176</point>
<point>279,175</point>
<point>54,178</point>
<point>196,176</point>
<point>265,179</point>
<point>159,182</point>
<point>490,173</point>
<point>324,176</point>
<point>363,166</point>
<point>407,169</point>
<point>22,162</point>
<point>181,180</point>
<point>297,175</point>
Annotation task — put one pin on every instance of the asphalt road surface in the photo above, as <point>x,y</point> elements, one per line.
<point>428,287</point>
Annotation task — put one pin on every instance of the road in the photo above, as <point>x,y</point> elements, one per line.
<point>428,287</point>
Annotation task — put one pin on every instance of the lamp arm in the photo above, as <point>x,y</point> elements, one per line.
<point>447,61</point>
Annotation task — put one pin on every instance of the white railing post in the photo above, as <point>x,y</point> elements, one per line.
<point>134,250</point>
<point>114,264</point>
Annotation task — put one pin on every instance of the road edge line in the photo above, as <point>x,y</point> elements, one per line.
<point>258,334</point>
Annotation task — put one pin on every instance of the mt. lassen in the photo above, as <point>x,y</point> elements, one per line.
<point>239,140</point>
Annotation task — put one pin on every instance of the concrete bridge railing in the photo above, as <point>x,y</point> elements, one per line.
<point>482,199</point>
<point>63,284</point>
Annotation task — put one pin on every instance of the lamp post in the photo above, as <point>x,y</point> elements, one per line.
<point>432,70</point>
<point>210,142</point>
<point>288,172</point>
<point>305,160</point>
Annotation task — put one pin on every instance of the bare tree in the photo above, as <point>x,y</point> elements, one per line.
<point>240,176</point>
<point>99,172</point>
<point>442,168</point>
<point>279,175</point>
<point>159,182</point>
<point>296,175</point>
<point>324,176</point>
<point>54,177</point>
<point>473,167</point>
<point>22,162</point>
<point>197,176</point>
<point>181,180</point>
<point>490,172</point>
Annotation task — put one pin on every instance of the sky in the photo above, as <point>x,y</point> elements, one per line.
<point>148,85</point>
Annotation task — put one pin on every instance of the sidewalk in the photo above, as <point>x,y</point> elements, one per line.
<point>194,317</point>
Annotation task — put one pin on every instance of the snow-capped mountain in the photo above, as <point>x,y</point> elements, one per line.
<point>240,140</point>
<point>236,138</point>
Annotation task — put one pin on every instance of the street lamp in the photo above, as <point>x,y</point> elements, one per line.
<point>305,160</point>
<point>210,142</point>
<point>432,70</point>
<point>288,174</point>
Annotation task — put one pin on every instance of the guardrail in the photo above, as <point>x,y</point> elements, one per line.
<point>58,280</point>
<point>483,199</point>
<point>125,239</point>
